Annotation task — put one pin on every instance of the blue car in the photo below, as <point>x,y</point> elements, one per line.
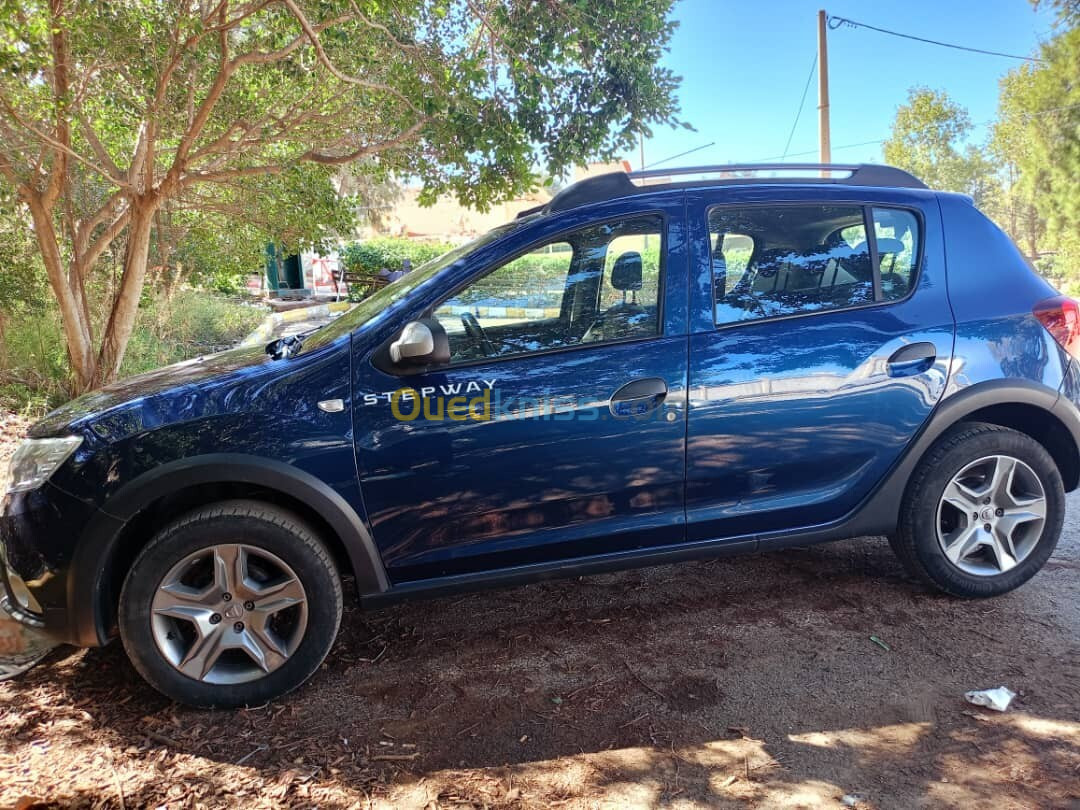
<point>651,367</point>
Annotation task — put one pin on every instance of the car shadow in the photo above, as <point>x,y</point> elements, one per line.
<point>718,682</point>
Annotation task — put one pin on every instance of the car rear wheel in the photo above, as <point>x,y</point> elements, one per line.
<point>232,605</point>
<point>982,513</point>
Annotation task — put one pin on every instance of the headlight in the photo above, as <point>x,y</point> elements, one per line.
<point>37,459</point>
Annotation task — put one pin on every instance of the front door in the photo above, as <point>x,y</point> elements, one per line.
<point>822,337</point>
<point>557,430</point>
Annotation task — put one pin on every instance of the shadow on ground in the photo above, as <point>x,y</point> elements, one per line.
<point>739,682</point>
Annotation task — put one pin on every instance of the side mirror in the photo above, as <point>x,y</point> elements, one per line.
<point>421,343</point>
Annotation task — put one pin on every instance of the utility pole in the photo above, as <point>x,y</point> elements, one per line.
<point>825,150</point>
<point>641,144</point>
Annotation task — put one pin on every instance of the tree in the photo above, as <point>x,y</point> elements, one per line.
<point>926,140</point>
<point>1011,147</point>
<point>216,238</point>
<point>1068,11</point>
<point>1037,139</point>
<point>112,111</point>
<point>1050,164</point>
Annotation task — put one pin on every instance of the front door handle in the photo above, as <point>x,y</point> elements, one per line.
<point>638,397</point>
<point>915,358</point>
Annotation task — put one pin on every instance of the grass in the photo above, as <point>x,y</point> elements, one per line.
<point>33,359</point>
<point>195,322</point>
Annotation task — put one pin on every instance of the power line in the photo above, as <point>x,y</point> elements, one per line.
<point>802,101</point>
<point>836,22</point>
<point>1036,114</point>
<point>681,154</point>
<point>814,151</point>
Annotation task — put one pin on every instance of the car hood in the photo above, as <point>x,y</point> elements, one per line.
<point>132,390</point>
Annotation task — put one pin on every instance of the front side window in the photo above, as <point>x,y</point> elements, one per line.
<point>598,284</point>
<point>787,260</point>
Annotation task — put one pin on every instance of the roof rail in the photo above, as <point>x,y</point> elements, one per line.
<point>621,184</point>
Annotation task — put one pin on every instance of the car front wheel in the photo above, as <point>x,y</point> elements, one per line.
<point>982,513</point>
<point>232,605</point>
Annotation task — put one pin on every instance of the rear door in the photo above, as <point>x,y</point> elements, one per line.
<point>821,342</point>
<point>558,428</point>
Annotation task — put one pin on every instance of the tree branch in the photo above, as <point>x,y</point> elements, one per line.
<point>316,43</point>
<point>61,88</point>
<point>202,115</point>
<point>193,178</point>
<point>99,150</point>
<point>105,239</point>
<point>53,142</point>
<point>366,151</point>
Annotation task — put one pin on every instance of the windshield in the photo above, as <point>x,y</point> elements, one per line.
<point>396,290</point>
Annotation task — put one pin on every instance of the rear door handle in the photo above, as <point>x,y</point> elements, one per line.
<point>638,397</point>
<point>915,358</point>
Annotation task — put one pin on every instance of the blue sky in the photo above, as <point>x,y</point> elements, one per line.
<point>744,65</point>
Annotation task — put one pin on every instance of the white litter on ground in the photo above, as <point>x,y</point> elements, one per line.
<point>996,699</point>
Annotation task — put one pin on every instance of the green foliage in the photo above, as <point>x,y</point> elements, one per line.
<point>192,323</point>
<point>219,126</point>
<point>1051,165</point>
<point>373,255</point>
<point>459,94</point>
<point>1037,140</point>
<point>33,355</point>
<point>1011,146</point>
<point>927,136</point>
<point>299,209</point>
<point>23,286</point>
<point>33,361</point>
<point>1068,11</point>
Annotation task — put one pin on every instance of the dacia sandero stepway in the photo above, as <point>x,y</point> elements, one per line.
<point>651,367</point>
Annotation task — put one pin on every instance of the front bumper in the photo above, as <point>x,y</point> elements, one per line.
<point>22,644</point>
<point>23,639</point>
<point>39,530</point>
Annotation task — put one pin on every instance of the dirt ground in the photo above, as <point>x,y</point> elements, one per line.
<point>749,682</point>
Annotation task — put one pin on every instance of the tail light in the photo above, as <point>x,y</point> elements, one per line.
<point>1061,317</point>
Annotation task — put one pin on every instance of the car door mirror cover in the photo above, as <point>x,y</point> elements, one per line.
<point>421,343</point>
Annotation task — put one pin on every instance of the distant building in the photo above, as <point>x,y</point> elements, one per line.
<point>449,221</point>
<point>313,275</point>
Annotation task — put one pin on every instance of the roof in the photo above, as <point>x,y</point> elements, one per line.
<point>613,185</point>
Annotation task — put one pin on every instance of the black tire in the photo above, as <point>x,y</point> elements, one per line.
<point>255,524</point>
<point>915,542</point>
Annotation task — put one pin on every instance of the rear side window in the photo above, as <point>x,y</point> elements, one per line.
<point>896,233</point>
<point>793,259</point>
<point>774,261</point>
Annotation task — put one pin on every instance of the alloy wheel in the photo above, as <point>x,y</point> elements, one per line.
<point>229,614</point>
<point>991,515</point>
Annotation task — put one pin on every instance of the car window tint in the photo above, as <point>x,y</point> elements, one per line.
<point>896,232</point>
<point>647,245</point>
<point>597,284</point>
<point>802,258</point>
<point>731,254</point>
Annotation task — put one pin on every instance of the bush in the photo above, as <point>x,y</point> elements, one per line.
<point>194,322</point>
<point>23,285</point>
<point>33,353</point>
<point>375,254</point>
<point>33,361</point>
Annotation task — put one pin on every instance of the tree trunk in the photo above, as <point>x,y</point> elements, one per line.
<point>125,307</point>
<point>74,313</point>
<point>1033,231</point>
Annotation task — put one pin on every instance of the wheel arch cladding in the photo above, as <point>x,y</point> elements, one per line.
<point>1021,405</point>
<point>164,493</point>
<point>1041,425</point>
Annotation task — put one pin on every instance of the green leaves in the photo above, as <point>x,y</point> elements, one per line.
<point>928,140</point>
<point>229,118</point>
